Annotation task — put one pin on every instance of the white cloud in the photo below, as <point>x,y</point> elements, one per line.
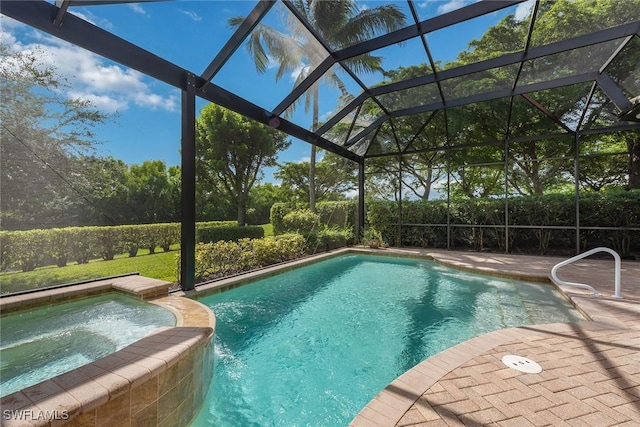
<point>137,8</point>
<point>452,5</point>
<point>6,38</point>
<point>192,15</point>
<point>85,17</point>
<point>88,16</point>
<point>110,87</point>
<point>7,24</point>
<point>103,103</point>
<point>523,10</point>
<point>109,77</point>
<point>156,102</point>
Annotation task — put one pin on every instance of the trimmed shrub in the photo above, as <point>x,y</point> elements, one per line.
<point>132,239</point>
<point>84,243</point>
<point>5,250</point>
<point>58,246</point>
<point>328,239</point>
<point>278,211</point>
<point>275,249</point>
<point>222,258</point>
<point>301,221</point>
<point>218,258</point>
<point>111,241</point>
<point>340,214</point>
<point>168,234</point>
<point>26,248</point>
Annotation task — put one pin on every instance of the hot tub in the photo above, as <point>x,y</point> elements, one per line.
<point>159,379</point>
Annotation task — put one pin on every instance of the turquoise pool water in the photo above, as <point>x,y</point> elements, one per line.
<point>312,346</point>
<point>39,344</point>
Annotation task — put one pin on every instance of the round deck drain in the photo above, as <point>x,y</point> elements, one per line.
<point>521,364</point>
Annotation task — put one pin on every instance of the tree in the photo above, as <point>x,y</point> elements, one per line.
<point>43,132</point>
<point>150,198</point>
<point>339,23</point>
<point>105,185</point>
<point>335,177</point>
<point>231,151</point>
<point>174,177</point>
<point>632,139</point>
<point>543,165</point>
<point>602,162</point>
<point>418,134</point>
<point>261,199</point>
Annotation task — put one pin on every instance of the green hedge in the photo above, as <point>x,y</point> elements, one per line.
<point>222,258</point>
<point>206,234</point>
<point>26,250</point>
<point>216,224</point>
<point>278,211</point>
<point>301,221</point>
<point>597,209</point>
<point>340,214</point>
<point>328,239</point>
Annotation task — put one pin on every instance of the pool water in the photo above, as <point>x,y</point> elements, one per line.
<point>311,347</point>
<point>41,343</point>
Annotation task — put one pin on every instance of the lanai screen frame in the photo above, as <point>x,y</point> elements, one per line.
<point>55,20</point>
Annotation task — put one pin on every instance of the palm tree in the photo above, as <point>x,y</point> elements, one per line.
<point>340,24</point>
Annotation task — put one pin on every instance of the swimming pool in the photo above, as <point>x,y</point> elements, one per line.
<point>41,343</point>
<point>314,345</point>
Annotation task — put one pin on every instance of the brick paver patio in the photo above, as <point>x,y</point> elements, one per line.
<point>591,369</point>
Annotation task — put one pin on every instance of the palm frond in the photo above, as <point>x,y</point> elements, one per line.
<point>330,16</point>
<point>369,23</point>
<point>365,63</point>
<point>268,46</point>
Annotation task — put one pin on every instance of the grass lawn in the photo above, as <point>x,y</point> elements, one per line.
<point>161,265</point>
<point>268,229</point>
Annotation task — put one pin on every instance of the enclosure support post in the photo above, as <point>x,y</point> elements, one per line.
<point>448,196</point>
<point>398,241</point>
<point>188,185</point>
<point>506,196</point>
<point>360,230</point>
<point>576,177</point>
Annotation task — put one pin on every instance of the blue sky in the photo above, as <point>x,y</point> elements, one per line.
<point>146,123</point>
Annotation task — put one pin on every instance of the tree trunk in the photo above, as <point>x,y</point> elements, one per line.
<point>242,211</point>
<point>634,163</point>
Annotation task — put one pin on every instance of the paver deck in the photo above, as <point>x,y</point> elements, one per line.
<point>591,369</point>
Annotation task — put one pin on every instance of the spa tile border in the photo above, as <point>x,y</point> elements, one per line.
<point>134,285</point>
<point>114,389</point>
<point>160,380</point>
